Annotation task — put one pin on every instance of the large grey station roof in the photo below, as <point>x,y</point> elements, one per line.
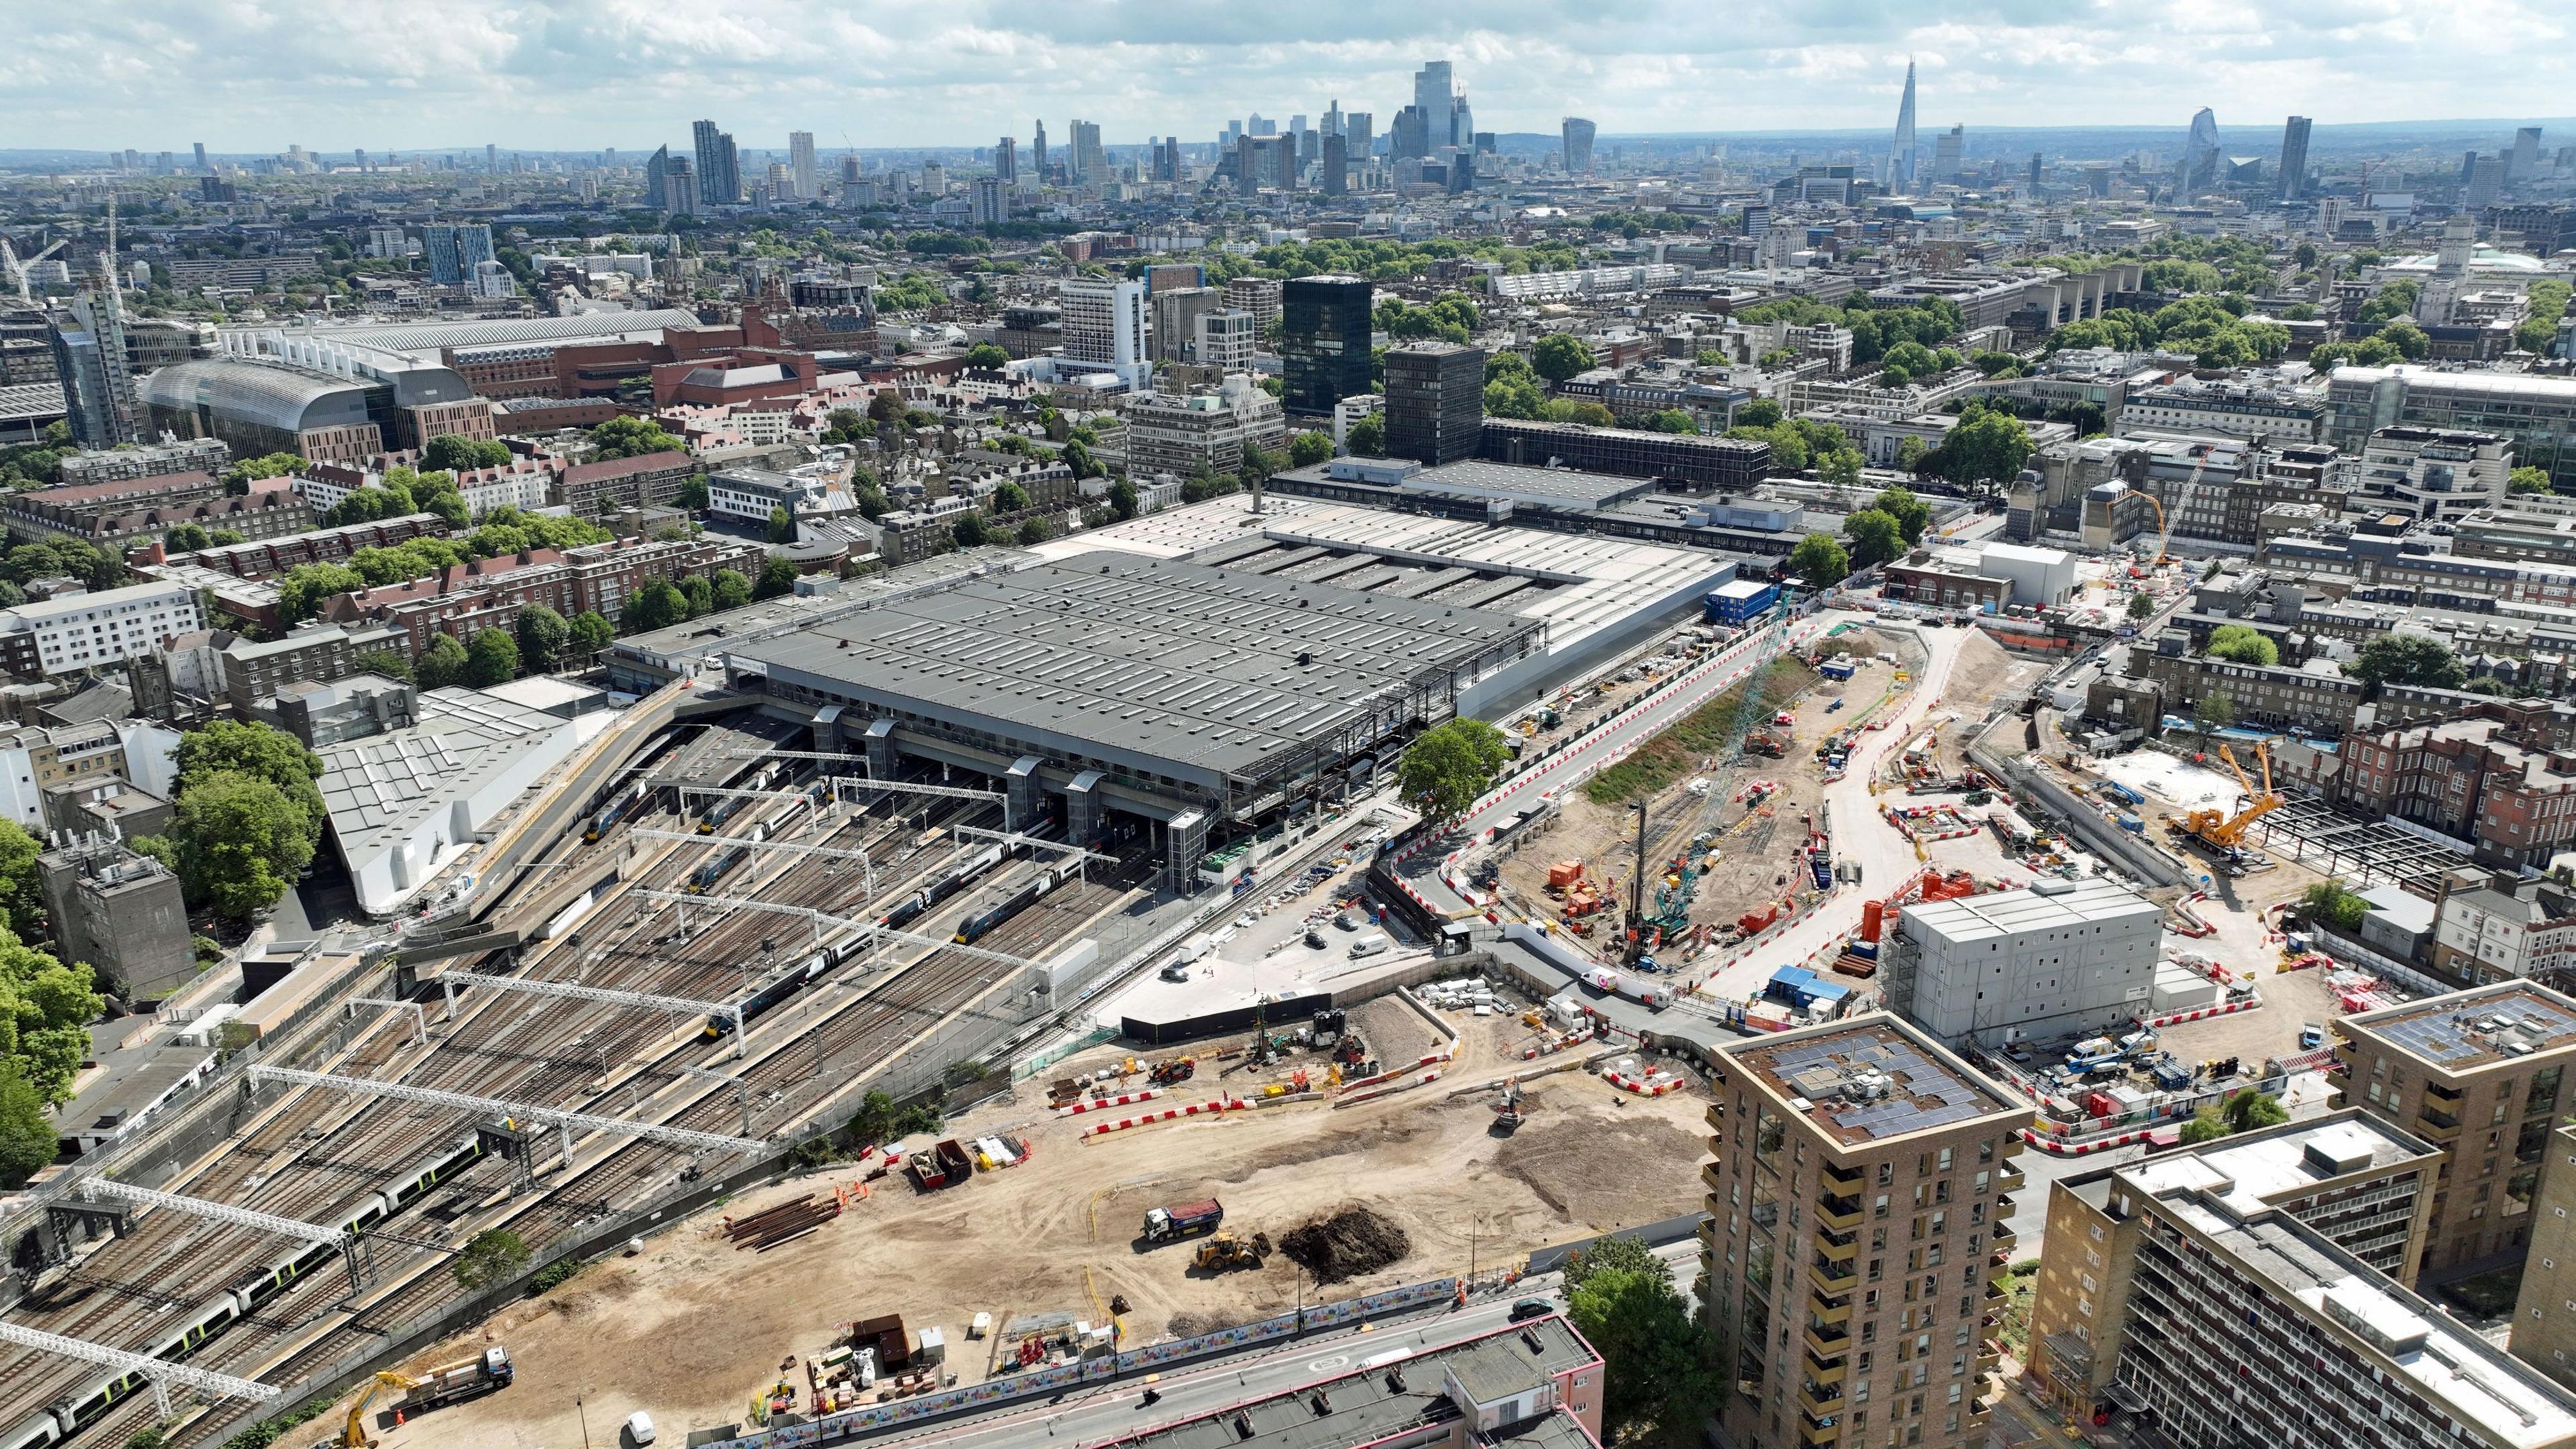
<point>1143,657</point>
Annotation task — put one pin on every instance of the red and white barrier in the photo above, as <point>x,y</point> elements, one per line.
<point>2057,1148</point>
<point>1098,1104</point>
<point>2225,1009</point>
<point>1195,1109</point>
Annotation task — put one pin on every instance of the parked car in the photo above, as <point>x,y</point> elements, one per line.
<point>1529,1308</point>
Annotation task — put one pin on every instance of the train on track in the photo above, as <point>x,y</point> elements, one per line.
<point>1010,901</point>
<point>705,878</point>
<point>605,821</point>
<point>84,1406</point>
<point>774,991</point>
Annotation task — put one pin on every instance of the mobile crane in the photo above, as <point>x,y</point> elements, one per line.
<point>2222,833</point>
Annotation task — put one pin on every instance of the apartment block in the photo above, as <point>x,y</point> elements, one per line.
<point>2472,779</point>
<point>2477,1073</point>
<point>87,631</point>
<point>1186,434</point>
<point>2544,1313</point>
<point>2235,1295</point>
<point>1856,1241</point>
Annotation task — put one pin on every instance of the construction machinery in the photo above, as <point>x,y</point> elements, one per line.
<point>1512,1109</point>
<point>1758,743</point>
<point>2221,832</point>
<point>1226,1252</point>
<point>21,269</point>
<point>1177,1069</point>
<point>353,1434</point>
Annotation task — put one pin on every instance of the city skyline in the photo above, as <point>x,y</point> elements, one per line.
<point>638,76</point>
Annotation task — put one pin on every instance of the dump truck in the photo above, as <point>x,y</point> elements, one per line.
<point>1225,1251</point>
<point>454,1383</point>
<point>1169,1224</point>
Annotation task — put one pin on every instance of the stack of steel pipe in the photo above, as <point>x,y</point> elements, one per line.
<point>767,1229</point>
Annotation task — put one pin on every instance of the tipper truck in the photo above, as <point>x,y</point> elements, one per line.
<point>1168,1224</point>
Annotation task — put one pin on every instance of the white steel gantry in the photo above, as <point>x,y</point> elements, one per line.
<point>161,1371</point>
<point>236,1217</point>
<point>826,852</point>
<point>564,1122</point>
<point>869,930</point>
<point>596,996</point>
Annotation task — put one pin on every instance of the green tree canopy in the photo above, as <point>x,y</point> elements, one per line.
<point>2251,1110</point>
<point>22,889</point>
<point>1367,437</point>
<point>254,749</point>
<point>777,578</point>
<point>450,451</point>
<point>1875,538</point>
<point>542,634</point>
<point>984,356</point>
<point>240,843</point>
<point>27,1141</point>
<point>1561,355</point>
<point>2141,606</point>
<point>391,663</point>
<point>1445,769</point>
<point>729,589</point>
<point>489,1257</point>
<point>442,664</point>
<point>2408,659</point>
<point>2334,904</point>
<point>1985,450</point>
<point>2528,480</point>
<point>491,658</point>
<point>1761,412</point>
<point>632,437</point>
<point>238,478</point>
<point>1309,448</point>
<point>591,633</point>
<point>184,538</point>
<point>300,595</point>
<point>1820,561</point>
<point>1912,514</point>
<point>2242,645</point>
<point>1660,1376</point>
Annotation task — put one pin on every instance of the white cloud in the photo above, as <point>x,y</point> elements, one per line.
<point>257,75</point>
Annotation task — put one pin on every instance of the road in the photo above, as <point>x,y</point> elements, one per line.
<point>1116,1410</point>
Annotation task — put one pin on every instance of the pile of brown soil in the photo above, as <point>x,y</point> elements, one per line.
<point>1350,1241</point>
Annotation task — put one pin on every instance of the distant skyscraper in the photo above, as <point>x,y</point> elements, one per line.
<point>800,165</point>
<point>1462,124</point>
<point>1086,162</point>
<point>2294,158</point>
<point>718,167</point>
<point>2526,154</point>
<point>1325,327</point>
<point>1006,160</point>
<point>656,167</point>
<point>991,203</point>
<point>1432,87</point>
<point>2486,181</point>
<point>1359,128</point>
<point>454,251</point>
<point>201,155</point>
<point>2199,169</point>
<point>1333,167</point>
<point>1900,152</point>
<point>1577,133</point>
<point>1333,118</point>
<point>1037,153</point>
<point>1167,159</point>
<point>680,194</point>
<point>1265,161</point>
<point>89,361</point>
<point>1946,150</point>
<point>1411,137</point>
<point>491,159</point>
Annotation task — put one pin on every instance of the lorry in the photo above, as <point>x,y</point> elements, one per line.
<point>1369,943</point>
<point>487,1372</point>
<point>1181,1220</point>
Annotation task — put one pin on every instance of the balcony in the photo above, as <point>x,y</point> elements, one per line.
<point>1838,1247</point>
<point>1827,1341</point>
<point>2005,1238</point>
<point>1989,1394</point>
<point>1842,1214</point>
<point>2009,1179</point>
<point>1998,1268</point>
<point>1819,1436</point>
<point>1709,1178</point>
<point>2448,1096</point>
<point>2439,1127</point>
<point>1822,1372</point>
<point>1820,1401</point>
<point>1847,1181</point>
<point>1717,1117</point>
<point>1990,1355</point>
<point>1822,1310</point>
<point>1833,1277</point>
<point>1995,1294</point>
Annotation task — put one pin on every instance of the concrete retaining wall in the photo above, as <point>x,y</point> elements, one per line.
<point>2131,853</point>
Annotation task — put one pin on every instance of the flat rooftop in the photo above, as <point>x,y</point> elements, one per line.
<point>2480,1027</point>
<point>2005,914</point>
<point>2253,1173</point>
<point>1870,1079</point>
<point>380,788</point>
<point>1217,669</point>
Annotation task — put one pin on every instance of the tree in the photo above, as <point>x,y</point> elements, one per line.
<point>260,752</point>
<point>1258,464</point>
<point>2213,712</point>
<point>2141,606</point>
<point>1912,514</point>
<point>969,531</point>
<point>1841,468</point>
<point>657,605</point>
<point>700,595</point>
<point>301,593</point>
<point>1449,766</point>
<point>1507,397</point>
<point>1910,453</point>
<point>1660,1379</point>
<point>2408,659</point>
<point>391,663</point>
<point>591,632</point>
<point>188,537</point>
<point>240,843</point>
<point>490,1256</point>
<point>454,452</point>
<point>542,635</point>
<point>782,525</point>
<point>2205,1126</point>
<point>1034,531</point>
<point>1077,457</point>
<point>631,437</point>
<point>238,478</point>
<point>1820,561</point>
<point>2250,1111</point>
<point>492,658</point>
<point>730,589</point>
<point>1761,412</point>
<point>22,895</point>
<point>2412,342</point>
<point>986,357</point>
<point>1561,355</point>
<point>2523,480</point>
<point>1307,449</point>
<point>693,492</point>
<point>1875,538</point>
<point>2335,905</point>
<point>777,577</point>
<point>1986,449</point>
<point>1122,498</point>
<point>1671,420</point>
<point>442,664</point>
<point>1367,437</point>
<point>27,1141</point>
<point>2239,644</point>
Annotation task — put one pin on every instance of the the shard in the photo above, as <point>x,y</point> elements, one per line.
<point>1900,170</point>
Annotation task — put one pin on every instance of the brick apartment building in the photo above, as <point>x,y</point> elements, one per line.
<point>2472,778</point>
<point>67,511</point>
<point>270,558</point>
<point>648,480</point>
<point>489,593</point>
<point>264,512</point>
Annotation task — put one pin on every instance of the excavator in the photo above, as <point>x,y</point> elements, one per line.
<point>1512,1109</point>
<point>2222,833</point>
<point>353,1434</point>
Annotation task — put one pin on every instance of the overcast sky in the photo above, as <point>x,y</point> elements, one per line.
<point>258,75</point>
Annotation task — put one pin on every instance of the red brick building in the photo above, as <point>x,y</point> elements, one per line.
<point>2474,778</point>
<point>489,593</point>
<point>738,375</point>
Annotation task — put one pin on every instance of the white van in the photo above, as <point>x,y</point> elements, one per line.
<point>1370,943</point>
<point>639,1428</point>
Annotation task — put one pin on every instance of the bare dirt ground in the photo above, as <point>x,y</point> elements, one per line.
<point>1983,674</point>
<point>691,1328</point>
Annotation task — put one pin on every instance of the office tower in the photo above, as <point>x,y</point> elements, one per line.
<point>1037,154</point>
<point>1225,339</point>
<point>1167,159</point>
<point>934,179</point>
<point>1900,154</point>
<point>1577,134</point>
<point>2236,1293</point>
<point>201,155</point>
<point>1856,1235</point>
<point>800,165</point>
<point>1296,123</point>
<point>2477,1073</point>
<point>1177,310</point>
<point>1435,401</point>
<point>491,159</point>
<point>656,167</point>
<point>90,364</point>
<point>454,251</point>
<point>1310,147</point>
<point>1431,89</point>
<point>2486,182</point>
<point>2198,171</point>
<point>1946,149</point>
<point>1006,160</point>
<point>164,166</point>
<point>718,165</point>
<point>1357,130</point>
<point>2293,180</point>
<point>1333,118</point>
<point>2526,154</point>
<point>1325,326</point>
<point>1265,161</point>
<point>778,183</point>
<point>1462,124</point>
<point>2034,168</point>
<point>851,169</point>
<point>1087,163</point>
<point>1104,327</point>
<point>991,203</point>
<point>680,194</point>
<point>361,156</point>
<point>1256,295</point>
<point>1410,139</point>
<point>1333,167</point>
<point>1260,125</point>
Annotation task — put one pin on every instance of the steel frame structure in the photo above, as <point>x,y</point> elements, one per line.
<point>596,996</point>
<point>819,919</point>
<point>556,1117</point>
<point>351,1245</point>
<point>161,1371</point>
<point>827,852</point>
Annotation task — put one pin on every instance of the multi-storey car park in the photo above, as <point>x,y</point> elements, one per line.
<point>842,963</point>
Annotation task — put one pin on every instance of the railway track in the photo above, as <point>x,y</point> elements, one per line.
<point>314,1153</point>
